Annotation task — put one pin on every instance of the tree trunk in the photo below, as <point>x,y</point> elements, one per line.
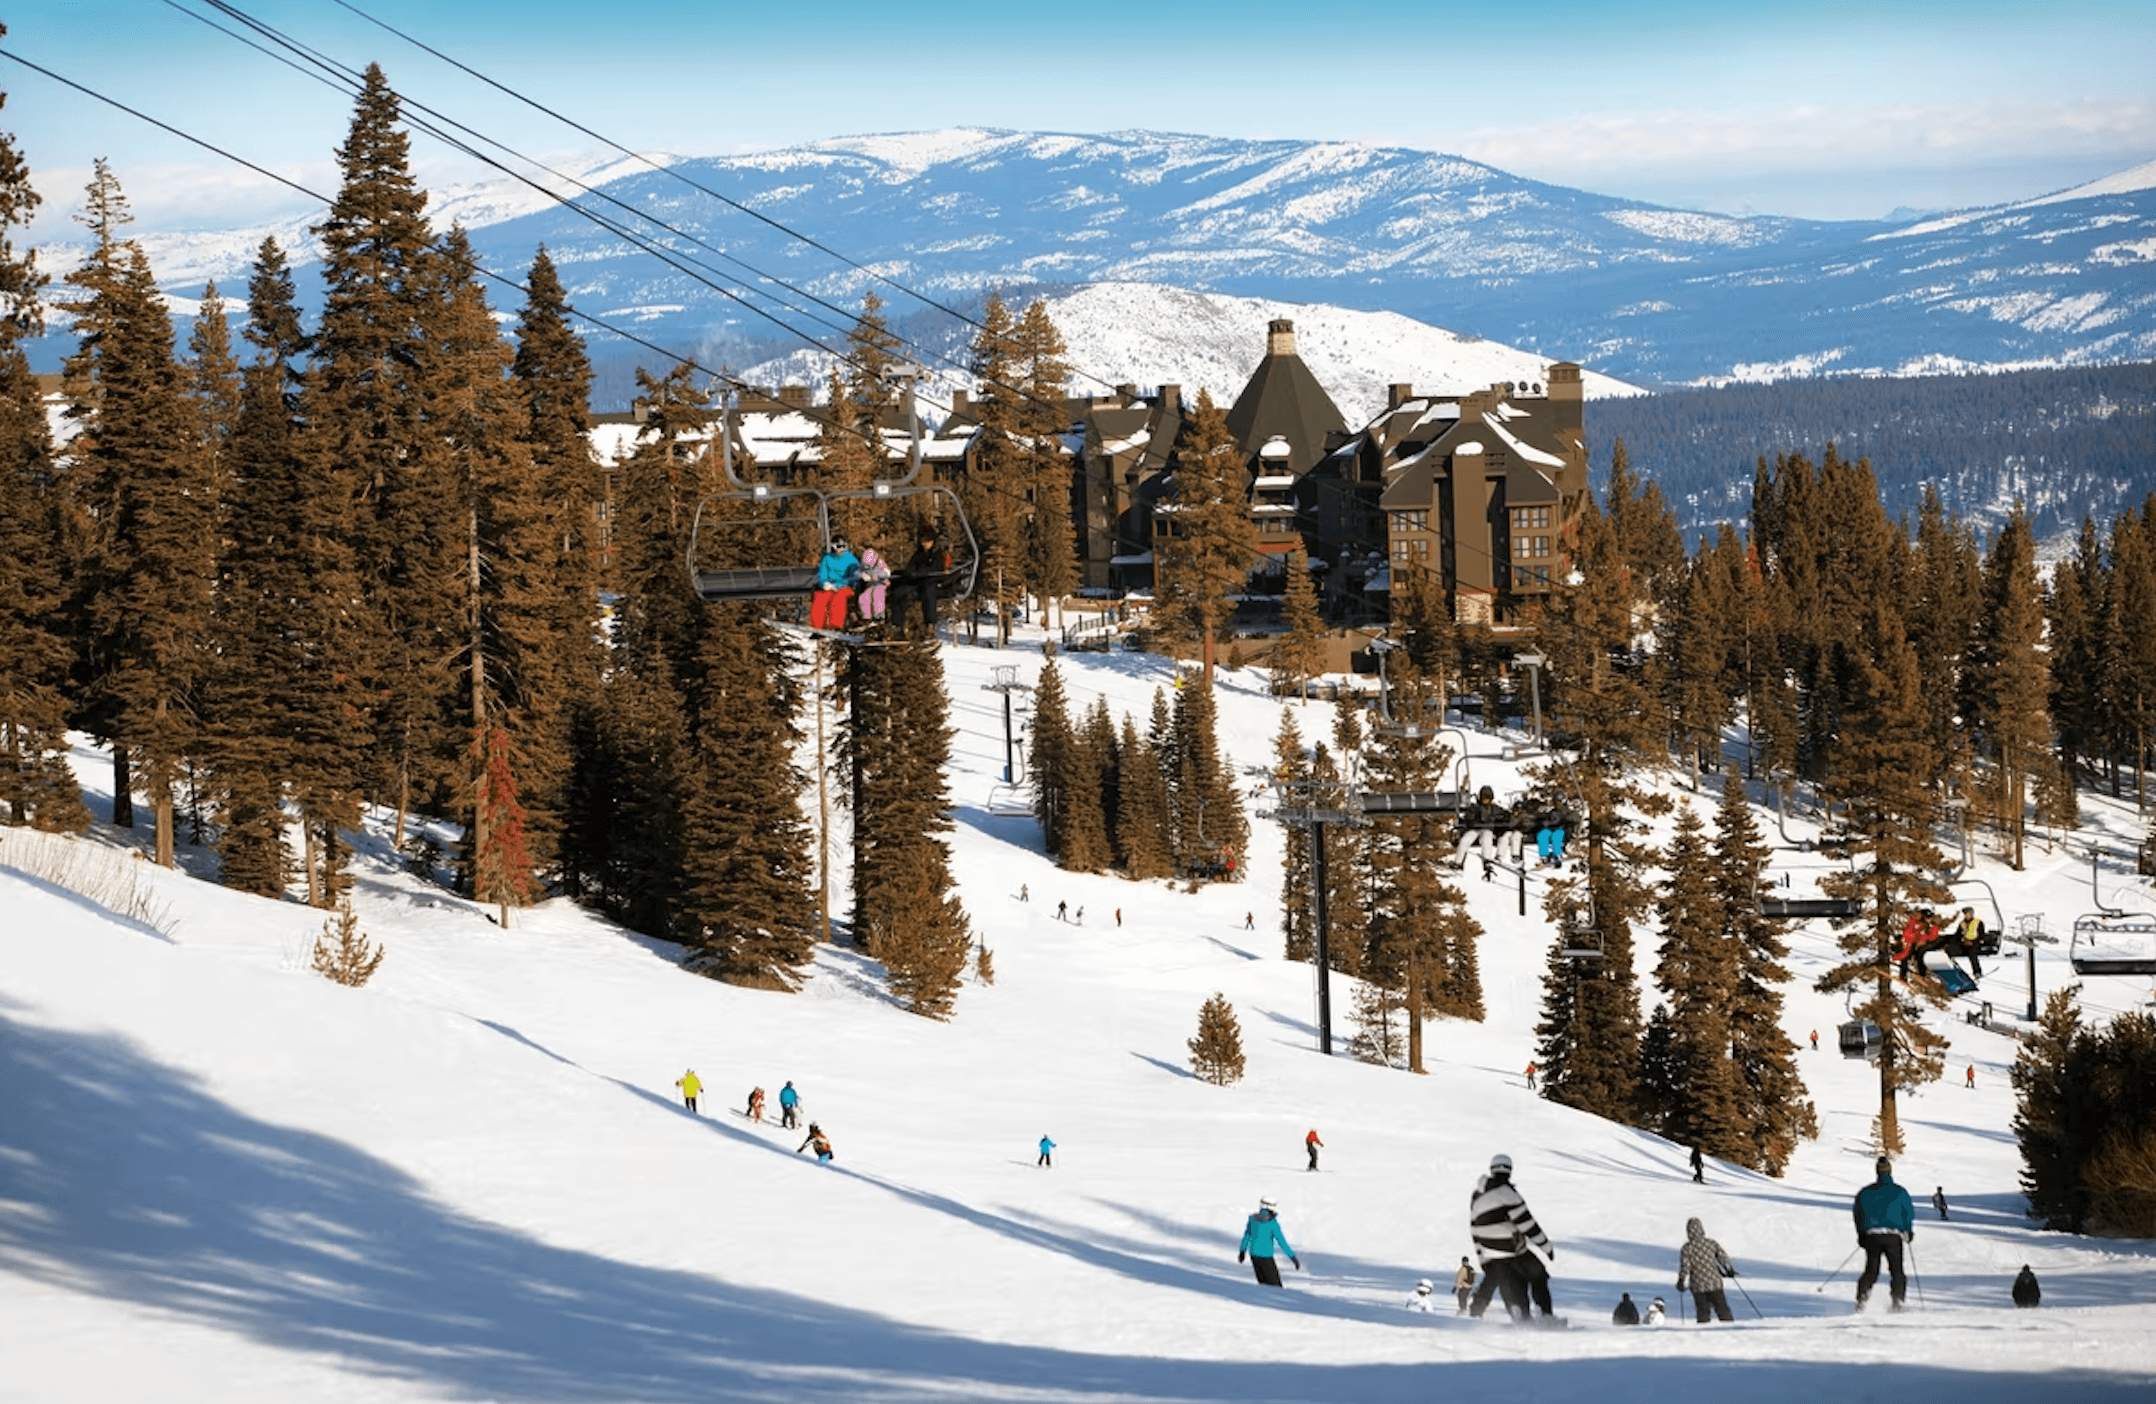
<point>1414,1017</point>
<point>123,789</point>
<point>309,859</point>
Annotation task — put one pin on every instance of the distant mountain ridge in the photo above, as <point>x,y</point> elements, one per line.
<point>1640,292</point>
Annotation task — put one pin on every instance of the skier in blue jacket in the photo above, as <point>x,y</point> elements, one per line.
<point>1048,1151</point>
<point>789,1106</point>
<point>1261,1235</point>
<point>1885,1220</point>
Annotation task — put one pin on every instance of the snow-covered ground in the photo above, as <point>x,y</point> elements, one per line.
<point>224,1178</point>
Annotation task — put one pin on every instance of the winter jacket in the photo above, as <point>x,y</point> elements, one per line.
<point>837,571</point>
<point>1491,816</point>
<point>787,1096</point>
<point>1655,1313</point>
<point>820,1142</point>
<point>1702,1264</point>
<point>1047,1145</point>
<point>1262,1234</point>
<point>1419,1301</point>
<point>1464,1279</point>
<point>1884,1207</point>
<point>1626,1313</point>
<point>2026,1292</point>
<point>1499,1222</point>
<point>690,1085</point>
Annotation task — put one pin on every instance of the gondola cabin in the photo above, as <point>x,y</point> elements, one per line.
<point>2106,944</point>
<point>1861,1038</point>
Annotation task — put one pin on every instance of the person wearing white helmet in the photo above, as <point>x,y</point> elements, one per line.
<point>1261,1237</point>
<point>1419,1299</point>
<point>1506,1239</point>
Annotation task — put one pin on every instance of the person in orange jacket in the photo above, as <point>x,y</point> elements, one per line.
<point>1311,1144</point>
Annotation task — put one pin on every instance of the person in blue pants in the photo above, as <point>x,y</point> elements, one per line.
<point>1261,1235</point>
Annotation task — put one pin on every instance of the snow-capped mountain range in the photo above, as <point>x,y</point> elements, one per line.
<point>1640,292</point>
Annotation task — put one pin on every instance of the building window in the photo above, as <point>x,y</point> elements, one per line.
<point>1530,519</point>
<point>1530,577</point>
<point>1411,550</point>
<point>1411,521</point>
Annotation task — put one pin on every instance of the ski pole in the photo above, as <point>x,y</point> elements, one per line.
<point>1913,1273</point>
<point>1838,1271</point>
<point>1749,1302</point>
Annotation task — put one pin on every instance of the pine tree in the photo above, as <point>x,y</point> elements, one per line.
<point>1588,1039</point>
<point>2073,608</point>
<point>1347,871</point>
<point>1216,1054</point>
<point>1051,548</point>
<point>2011,678</point>
<point>1053,758</point>
<point>553,374</point>
<point>1880,773</point>
<point>343,953</point>
<point>502,867</point>
<point>365,409</point>
<point>1207,812</point>
<point>1291,770</point>
<point>1083,822</point>
<point>1101,756</point>
<point>1942,615</point>
<point>1299,654</point>
<point>1698,972</point>
<point>2052,1115</point>
<point>1208,546</point>
<point>904,906</point>
<point>153,544</point>
<point>37,787</point>
<point>1773,1112</point>
<point>994,490</point>
<point>1142,809</point>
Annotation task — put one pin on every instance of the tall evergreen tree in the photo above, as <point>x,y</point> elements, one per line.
<point>1206,554</point>
<point>1880,774</point>
<point>1299,654</point>
<point>1291,770</point>
<point>1205,808</point>
<point>1773,1112</point>
<point>1039,359</point>
<point>2011,679</point>
<point>2073,608</point>
<point>37,787</point>
<point>1698,972</point>
<point>1141,823</point>
<point>1590,1029</point>
<point>366,412</point>
<point>994,490</point>
<point>1052,759</point>
<point>153,545</point>
<point>906,911</point>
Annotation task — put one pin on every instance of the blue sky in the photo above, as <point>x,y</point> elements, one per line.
<point>1827,109</point>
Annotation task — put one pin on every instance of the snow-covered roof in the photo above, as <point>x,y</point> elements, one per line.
<point>1260,509</point>
<point>1275,480</point>
<point>1471,446</point>
<point>1527,451</point>
<point>1276,447</point>
<point>1142,558</point>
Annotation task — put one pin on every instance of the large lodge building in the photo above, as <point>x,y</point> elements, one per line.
<point>1481,487</point>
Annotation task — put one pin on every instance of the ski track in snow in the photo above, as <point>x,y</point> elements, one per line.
<point>473,1178</point>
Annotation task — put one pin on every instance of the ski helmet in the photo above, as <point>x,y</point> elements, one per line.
<point>1423,1286</point>
<point>1267,1204</point>
<point>1500,1165</point>
<point>1883,1165</point>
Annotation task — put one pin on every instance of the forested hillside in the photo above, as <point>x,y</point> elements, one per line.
<point>2066,443</point>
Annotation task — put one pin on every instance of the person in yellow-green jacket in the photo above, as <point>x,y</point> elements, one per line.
<point>691,1088</point>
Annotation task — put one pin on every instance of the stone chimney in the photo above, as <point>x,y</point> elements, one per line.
<point>1171,397</point>
<point>1398,394</point>
<point>961,403</point>
<point>1567,395</point>
<point>1280,337</point>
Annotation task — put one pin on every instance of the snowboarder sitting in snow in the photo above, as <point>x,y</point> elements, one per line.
<point>1261,1235</point>
<point>1655,1313</point>
<point>1701,1266</point>
<point>1626,1313</point>
<point>816,1138</point>
<point>1419,1299</point>
<point>835,577</point>
<point>2026,1292</point>
<point>1506,1236</point>
<point>1885,1220</point>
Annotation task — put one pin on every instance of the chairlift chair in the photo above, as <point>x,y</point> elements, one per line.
<point>757,543</point>
<point>2113,945</point>
<point>1010,802</point>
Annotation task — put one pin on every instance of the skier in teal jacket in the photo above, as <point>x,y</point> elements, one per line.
<point>1261,1235</point>
<point>1885,1220</point>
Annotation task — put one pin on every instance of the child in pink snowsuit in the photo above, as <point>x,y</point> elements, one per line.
<point>874,583</point>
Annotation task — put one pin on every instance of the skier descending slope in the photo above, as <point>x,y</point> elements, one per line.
<point>1261,1235</point>
<point>1701,1266</point>
<point>1885,1221</point>
<point>1506,1235</point>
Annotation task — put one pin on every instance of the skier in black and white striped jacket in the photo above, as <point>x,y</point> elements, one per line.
<point>1506,1237</point>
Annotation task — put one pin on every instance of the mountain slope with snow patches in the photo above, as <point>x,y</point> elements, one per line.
<point>223,1178</point>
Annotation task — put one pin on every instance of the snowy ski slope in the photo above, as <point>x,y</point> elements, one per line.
<point>223,1178</point>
